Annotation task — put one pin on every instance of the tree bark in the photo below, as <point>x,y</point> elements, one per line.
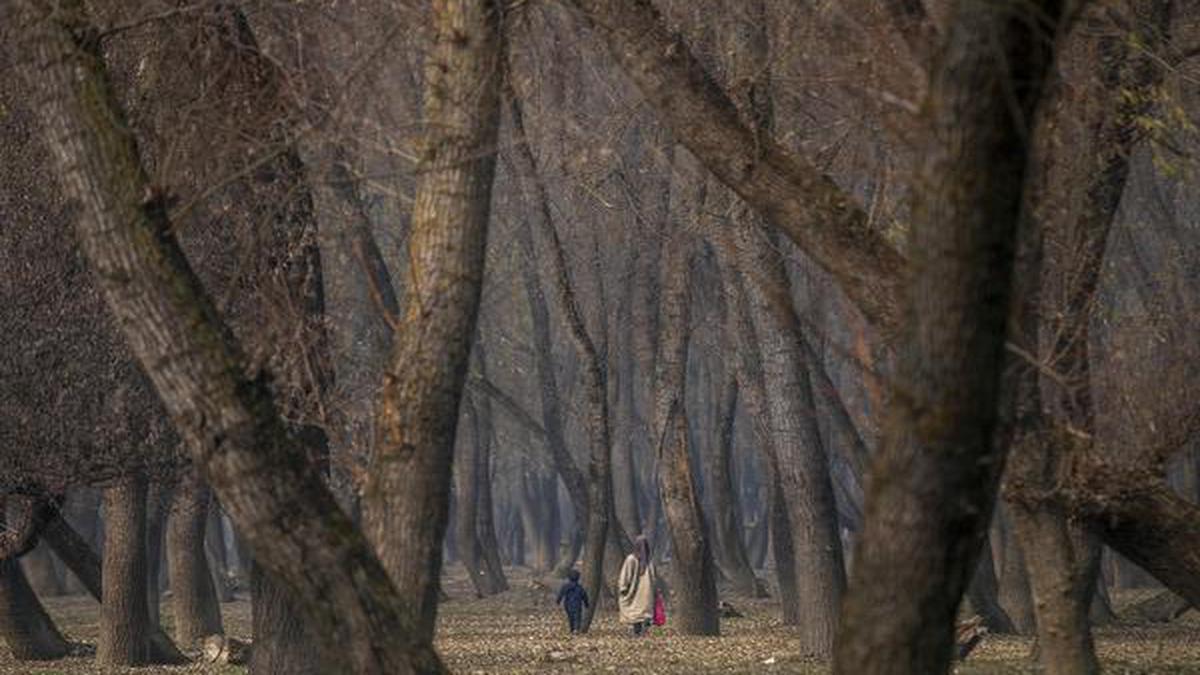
<point>695,589</point>
<point>124,614</point>
<point>24,623</point>
<point>283,643</point>
<point>407,495</point>
<point>727,519</point>
<point>194,604</point>
<point>984,595</point>
<point>934,480</point>
<point>230,423</point>
<point>77,555</point>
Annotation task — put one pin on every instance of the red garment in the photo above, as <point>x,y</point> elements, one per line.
<point>660,610</point>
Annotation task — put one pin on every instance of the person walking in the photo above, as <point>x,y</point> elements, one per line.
<point>636,587</point>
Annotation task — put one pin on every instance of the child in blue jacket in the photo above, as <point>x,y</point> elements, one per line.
<point>573,597</point>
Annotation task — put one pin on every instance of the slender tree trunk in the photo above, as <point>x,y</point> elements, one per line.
<point>124,614</point>
<point>469,474</point>
<point>194,604</point>
<point>407,495</point>
<point>1015,594</point>
<point>984,594</point>
<point>726,510</point>
<point>933,482</point>
<point>157,506</point>
<point>216,554</point>
<point>695,588</point>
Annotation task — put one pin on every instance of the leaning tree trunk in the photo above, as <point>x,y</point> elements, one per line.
<point>933,482</point>
<point>756,401</point>
<point>194,604</point>
<point>24,623</point>
<point>695,590</point>
<point>25,626</point>
<point>124,614</point>
<point>407,496</point>
<point>275,497</point>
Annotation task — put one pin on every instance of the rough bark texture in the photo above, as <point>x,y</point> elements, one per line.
<point>124,616</point>
<point>695,586</point>
<point>407,496</point>
<point>282,643</point>
<point>194,604</point>
<point>801,467</point>
<point>276,499</point>
<point>934,480</point>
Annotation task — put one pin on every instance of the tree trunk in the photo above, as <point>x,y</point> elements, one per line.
<point>695,588</point>
<point>230,424</point>
<point>77,555</point>
<point>469,474</point>
<point>216,553</point>
<point>1015,594</point>
<point>194,604</point>
<point>157,507</point>
<point>934,480</point>
<point>282,641</point>
<point>24,624</point>
<point>801,466</point>
<point>984,594</point>
<point>39,569</point>
<point>407,495</point>
<point>726,510</point>
<point>124,613</point>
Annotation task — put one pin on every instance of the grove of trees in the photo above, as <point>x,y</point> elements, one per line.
<point>882,309</point>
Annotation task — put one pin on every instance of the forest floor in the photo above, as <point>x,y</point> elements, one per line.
<point>521,631</point>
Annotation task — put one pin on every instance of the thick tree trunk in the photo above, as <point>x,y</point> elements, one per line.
<point>934,481</point>
<point>124,614</point>
<point>695,588</point>
<point>277,500</point>
<point>24,624</point>
<point>407,496</point>
<point>801,465</point>
<point>282,641</point>
<point>194,604</point>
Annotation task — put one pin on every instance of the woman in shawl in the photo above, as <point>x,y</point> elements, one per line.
<point>636,587</point>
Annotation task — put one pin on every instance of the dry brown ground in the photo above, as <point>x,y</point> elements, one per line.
<point>522,632</point>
